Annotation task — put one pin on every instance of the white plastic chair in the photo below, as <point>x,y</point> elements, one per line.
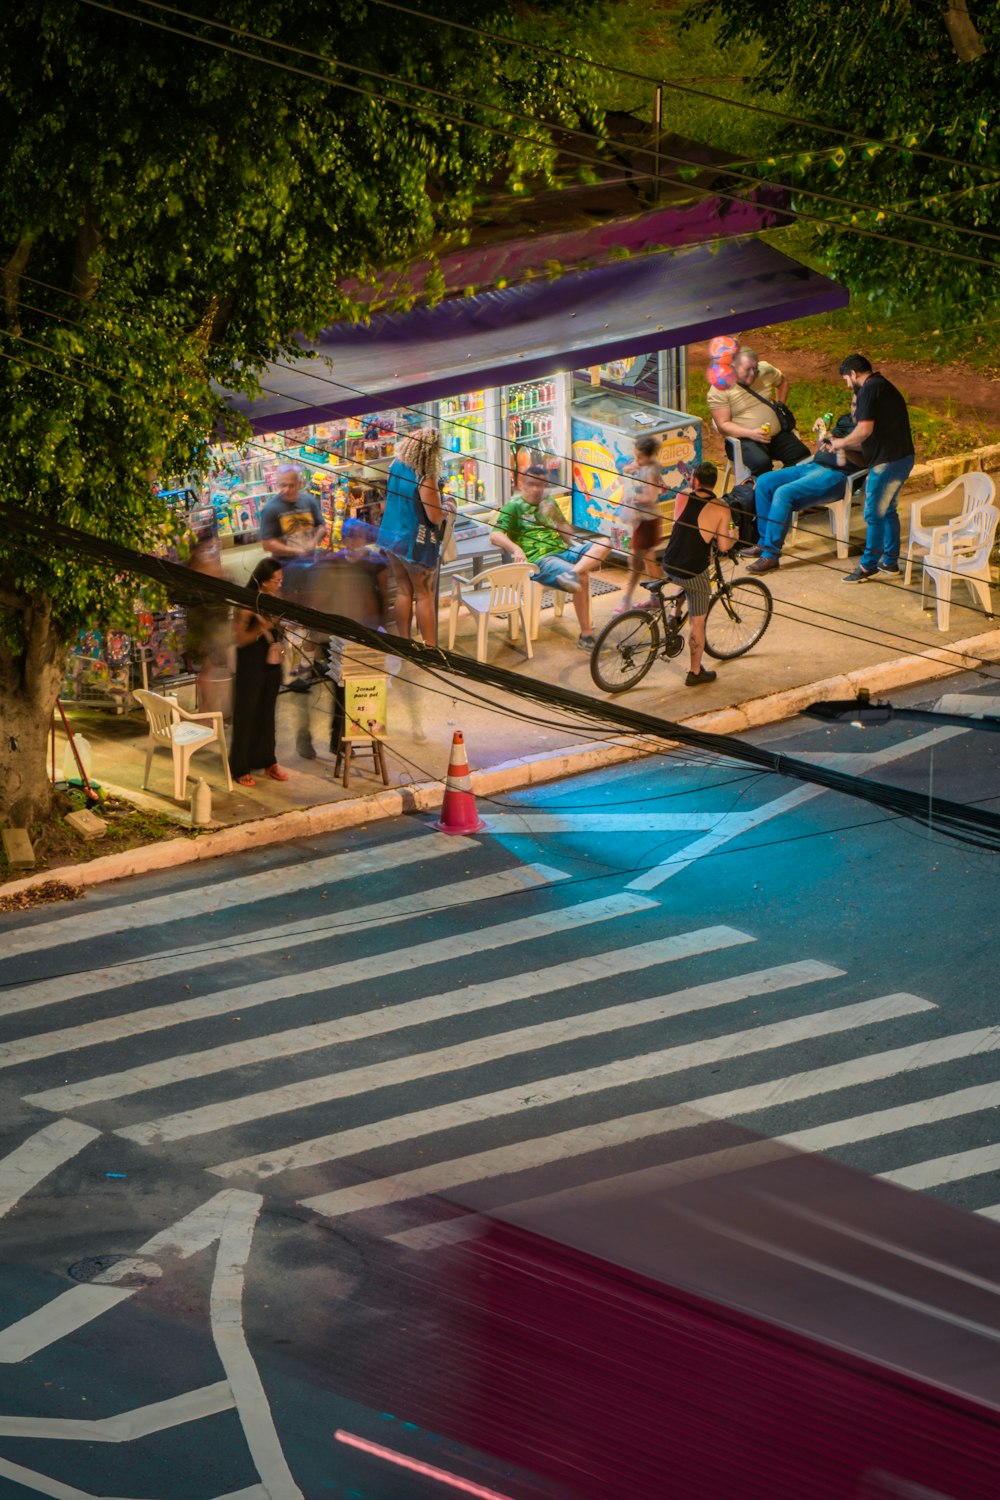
<point>976,491</point>
<point>171,728</point>
<point>961,550</point>
<point>839,512</point>
<point>735,469</point>
<point>498,594</point>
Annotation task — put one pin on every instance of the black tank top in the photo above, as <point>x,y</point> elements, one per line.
<point>687,552</point>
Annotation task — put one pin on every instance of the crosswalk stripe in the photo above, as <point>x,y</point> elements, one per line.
<point>569,821</point>
<point>350,1028</point>
<point>39,1155</point>
<point>502,1161</point>
<point>207,897</point>
<point>356,971</point>
<point>666,1175</point>
<point>378,914</point>
<point>573,1085</point>
<point>943,1169</point>
<point>735,824</point>
<point>615,1018</point>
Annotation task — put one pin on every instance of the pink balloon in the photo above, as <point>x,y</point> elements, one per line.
<point>723,348</point>
<point>721,376</point>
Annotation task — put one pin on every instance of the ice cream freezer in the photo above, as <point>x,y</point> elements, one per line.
<point>604,427</point>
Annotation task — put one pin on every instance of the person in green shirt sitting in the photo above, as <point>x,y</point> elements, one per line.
<point>531,528</point>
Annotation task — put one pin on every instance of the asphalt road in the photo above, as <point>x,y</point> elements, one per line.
<point>233,1101</point>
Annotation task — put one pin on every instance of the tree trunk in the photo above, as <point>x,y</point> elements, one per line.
<point>961,28</point>
<point>30,679</point>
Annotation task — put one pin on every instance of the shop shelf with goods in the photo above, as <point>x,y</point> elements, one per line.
<point>537,428</point>
<point>605,425</point>
<point>472,454</point>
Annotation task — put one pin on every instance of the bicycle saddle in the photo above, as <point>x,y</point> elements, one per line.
<point>655,585</point>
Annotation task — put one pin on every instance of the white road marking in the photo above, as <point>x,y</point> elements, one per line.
<point>226,1311</point>
<point>573,1085</point>
<point>511,823</point>
<point>731,1159</point>
<point>79,1305</point>
<point>993,1212</point>
<point>125,1426</point>
<point>615,1018</point>
<point>737,823</point>
<point>39,1155</point>
<point>209,896</point>
<point>356,971</point>
<point>369,1023</point>
<point>522,1156</point>
<point>942,1169</point>
<point>318,929</point>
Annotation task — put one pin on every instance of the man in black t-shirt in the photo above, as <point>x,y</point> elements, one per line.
<point>883,430</point>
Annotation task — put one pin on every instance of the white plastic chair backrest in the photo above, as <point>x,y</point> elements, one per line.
<point>159,712</point>
<point>507,585</point>
<point>979,491</point>
<point>973,540</point>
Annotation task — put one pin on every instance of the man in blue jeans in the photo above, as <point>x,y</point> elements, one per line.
<point>783,491</point>
<point>883,429</point>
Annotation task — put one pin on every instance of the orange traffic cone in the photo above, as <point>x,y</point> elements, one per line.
<point>458,810</point>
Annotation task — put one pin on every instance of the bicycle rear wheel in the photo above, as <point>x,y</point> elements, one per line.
<point>625,650</point>
<point>737,618</point>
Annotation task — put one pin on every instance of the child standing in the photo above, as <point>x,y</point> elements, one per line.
<point>643,493</point>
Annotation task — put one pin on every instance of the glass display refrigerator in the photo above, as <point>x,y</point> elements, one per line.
<point>605,425</point>
<point>536,421</point>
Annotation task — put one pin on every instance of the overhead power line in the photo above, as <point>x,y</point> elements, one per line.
<point>677,87</point>
<point>548,145</point>
<point>973,825</point>
<point>655,152</point>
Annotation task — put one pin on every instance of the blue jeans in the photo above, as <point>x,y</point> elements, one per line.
<point>882,489</point>
<point>783,491</point>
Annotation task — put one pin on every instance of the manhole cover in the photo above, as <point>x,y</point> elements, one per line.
<point>116,1270</point>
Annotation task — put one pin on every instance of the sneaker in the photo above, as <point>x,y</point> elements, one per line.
<point>743,551</point>
<point>859,575</point>
<point>700,678</point>
<point>763,565</point>
<point>586,642</point>
<point>891,568</point>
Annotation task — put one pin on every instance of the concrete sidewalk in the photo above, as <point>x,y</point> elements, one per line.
<point>826,639</point>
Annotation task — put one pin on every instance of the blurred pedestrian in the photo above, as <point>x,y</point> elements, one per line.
<point>641,507</point>
<point>412,530</point>
<point>208,638</point>
<point>259,651</point>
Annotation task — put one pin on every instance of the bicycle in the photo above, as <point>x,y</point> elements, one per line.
<point>738,615</point>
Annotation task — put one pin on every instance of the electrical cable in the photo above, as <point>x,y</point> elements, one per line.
<point>780,608</point>
<point>686,161</point>
<point>961,820</point>
<point>676,86</point>
<point>654,152</point>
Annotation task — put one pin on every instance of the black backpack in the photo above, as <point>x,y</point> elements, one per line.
<point>743,505</point>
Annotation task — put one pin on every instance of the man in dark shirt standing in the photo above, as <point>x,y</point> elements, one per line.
<point>883,430</point>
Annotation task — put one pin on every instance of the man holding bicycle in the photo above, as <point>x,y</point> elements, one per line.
<point>700,519</point>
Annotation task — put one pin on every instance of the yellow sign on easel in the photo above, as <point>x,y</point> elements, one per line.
<point>365,707</point>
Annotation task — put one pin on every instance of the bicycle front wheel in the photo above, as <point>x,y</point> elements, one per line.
<point>737,618</point>
<point>625,650</point>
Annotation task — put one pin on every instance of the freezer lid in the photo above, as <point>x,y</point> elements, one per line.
<point>524,332</point>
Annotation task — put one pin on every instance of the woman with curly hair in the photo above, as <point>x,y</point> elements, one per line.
<point>412,529</point>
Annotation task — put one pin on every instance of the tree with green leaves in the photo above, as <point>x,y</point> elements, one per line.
<point>183,198</point>
<point>924,79</point>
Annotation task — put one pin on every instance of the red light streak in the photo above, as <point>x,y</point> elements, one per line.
<point>427,1470</point>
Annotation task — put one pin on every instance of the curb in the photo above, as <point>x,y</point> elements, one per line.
<point>530,770</point>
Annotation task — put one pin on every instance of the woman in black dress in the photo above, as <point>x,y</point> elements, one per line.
<point>258,679</point>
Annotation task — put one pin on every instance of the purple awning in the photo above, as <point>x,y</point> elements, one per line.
<point>518,333</point>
